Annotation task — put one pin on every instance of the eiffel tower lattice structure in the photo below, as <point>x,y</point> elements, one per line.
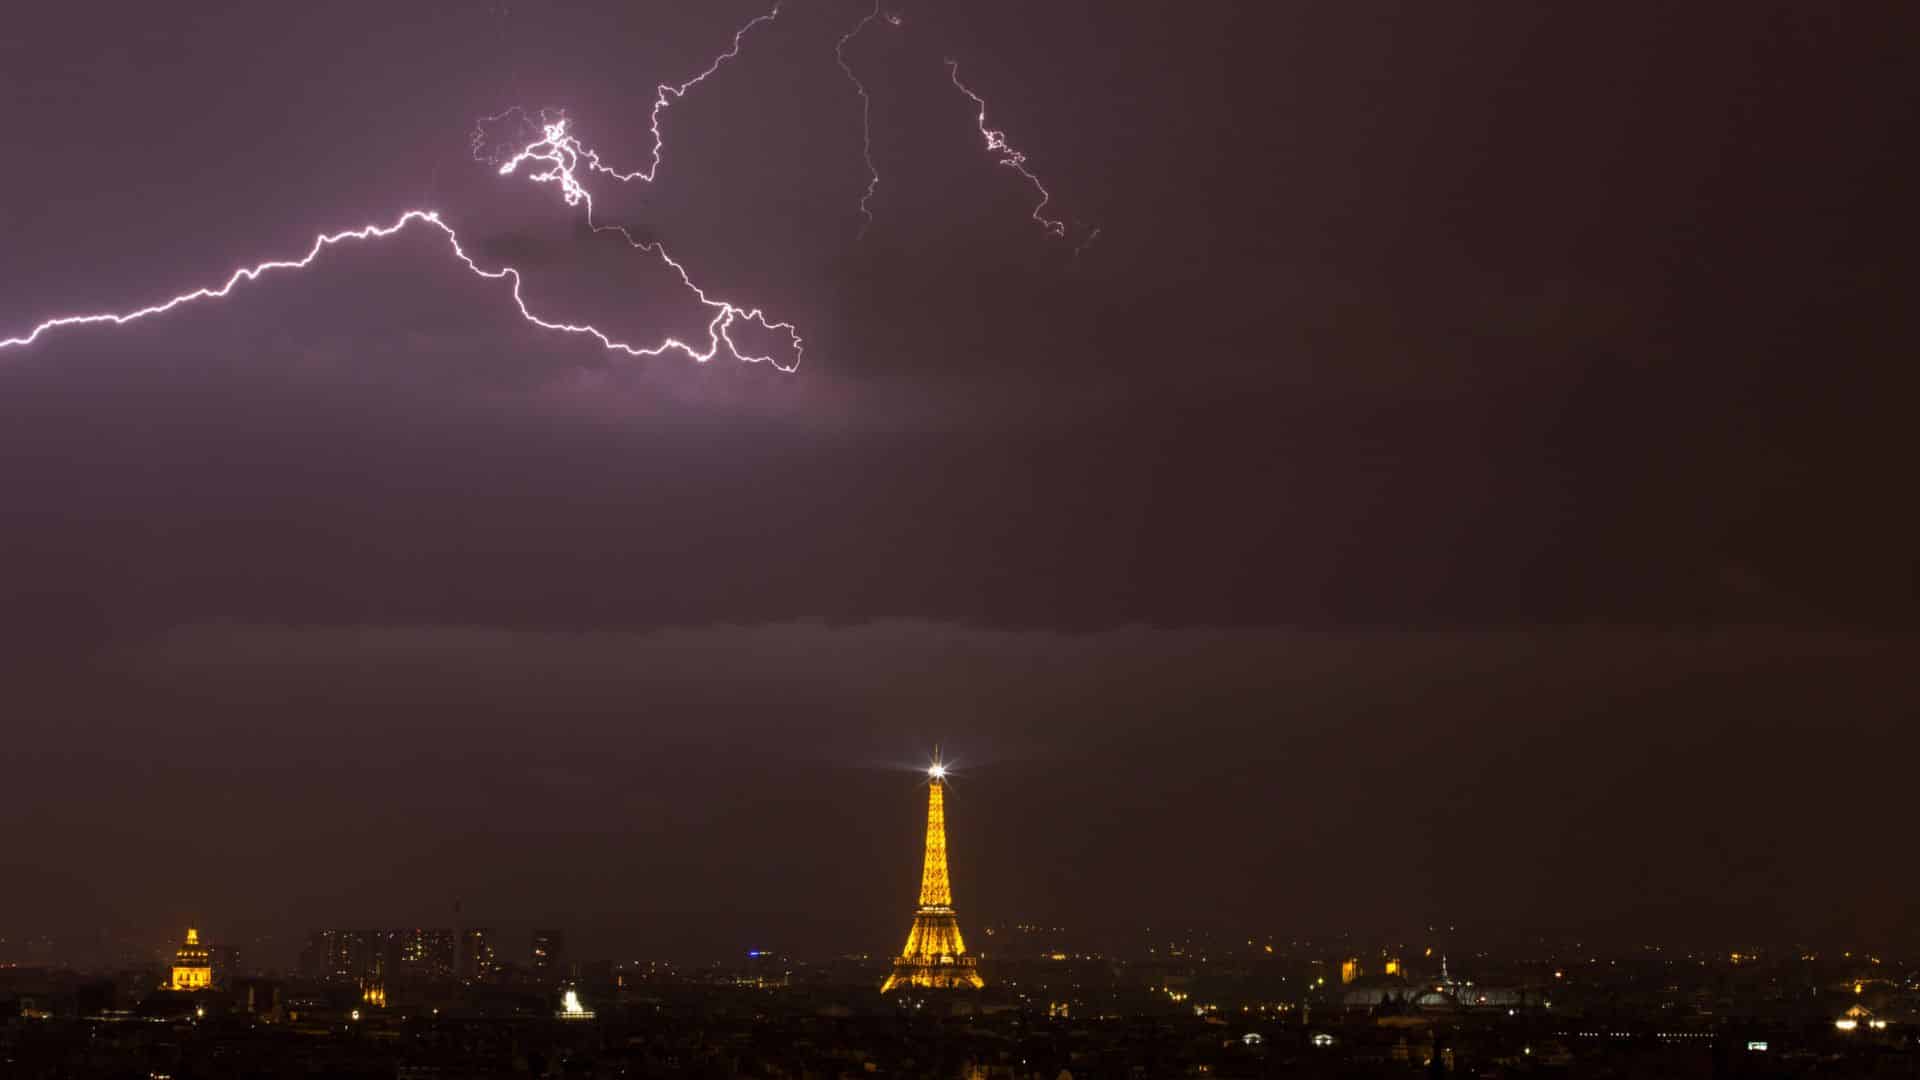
<point>936,955</point>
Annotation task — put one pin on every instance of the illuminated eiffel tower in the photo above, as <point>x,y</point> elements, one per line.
<point>935,956</point>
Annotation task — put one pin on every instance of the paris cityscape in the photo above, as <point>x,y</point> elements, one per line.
<point>958,539</point>
<point>1028,1000</point>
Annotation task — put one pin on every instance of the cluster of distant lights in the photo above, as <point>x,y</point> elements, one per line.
<point>565,159</point>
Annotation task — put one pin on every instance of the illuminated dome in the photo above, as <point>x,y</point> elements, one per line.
<point>192,964</point>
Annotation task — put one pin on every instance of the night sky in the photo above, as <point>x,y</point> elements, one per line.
<point>1469,478</point>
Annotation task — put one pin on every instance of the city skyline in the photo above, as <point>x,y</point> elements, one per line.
<point>1183,1005</point>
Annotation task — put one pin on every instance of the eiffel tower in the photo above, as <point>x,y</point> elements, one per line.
<point>935,956</point>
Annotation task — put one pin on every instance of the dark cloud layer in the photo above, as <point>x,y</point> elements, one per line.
<point>695,789</point>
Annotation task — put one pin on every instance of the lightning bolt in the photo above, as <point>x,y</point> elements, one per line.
<point>564,154</point>
<point>1013,159</point>
<point>866,114</point>
<point>666,94</point>
<point>564,158</point>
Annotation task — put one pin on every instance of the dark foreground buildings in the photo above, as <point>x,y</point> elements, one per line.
<point>1187,1007</point>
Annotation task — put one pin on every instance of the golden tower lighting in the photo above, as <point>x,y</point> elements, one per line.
<point>935,956</point>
